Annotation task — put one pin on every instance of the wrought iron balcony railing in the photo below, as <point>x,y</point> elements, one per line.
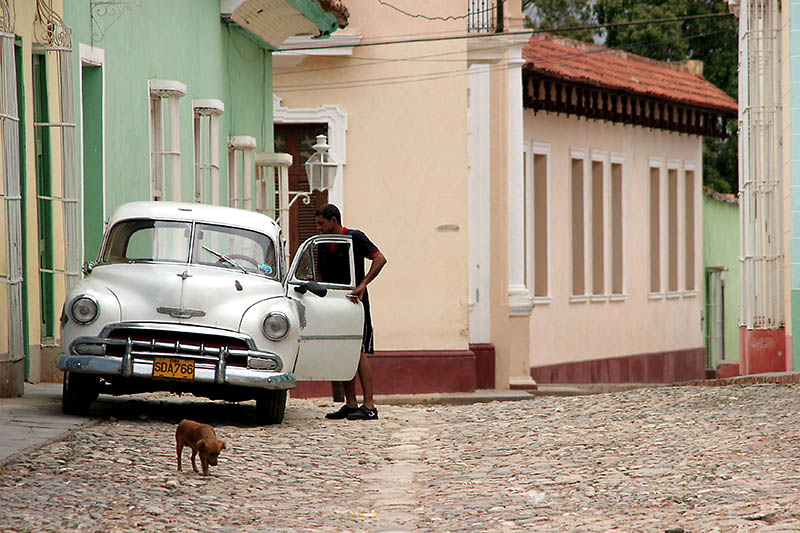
<point>485,16</point>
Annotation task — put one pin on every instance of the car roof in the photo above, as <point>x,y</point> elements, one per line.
<point>228,216</point>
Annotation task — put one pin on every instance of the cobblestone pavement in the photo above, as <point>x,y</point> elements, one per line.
<point>662,459</point>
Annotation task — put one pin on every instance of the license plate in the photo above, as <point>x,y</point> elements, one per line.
<point>169,368</point>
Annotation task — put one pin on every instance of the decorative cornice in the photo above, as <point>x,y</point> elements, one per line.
<point>543,93</point>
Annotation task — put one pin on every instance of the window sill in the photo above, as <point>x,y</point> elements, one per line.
<point>519,305</point>
<point>578,299</point>
<point>542,300</point>
<point>598,298</point>
<point>655,296</point>
<point>690,294</point>
<point>618,297</point>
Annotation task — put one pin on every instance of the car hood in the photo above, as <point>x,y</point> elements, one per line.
<point>184,294</point>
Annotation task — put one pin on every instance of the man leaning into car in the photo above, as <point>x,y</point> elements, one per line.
<point>329,221</point>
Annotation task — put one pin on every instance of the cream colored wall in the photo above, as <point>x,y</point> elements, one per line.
<point>566,332</point>
<point>406,170</point>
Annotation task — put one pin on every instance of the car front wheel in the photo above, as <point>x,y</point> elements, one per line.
<point>79,391</point>
<point>271,406</point>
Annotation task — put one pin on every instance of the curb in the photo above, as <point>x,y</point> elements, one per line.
<point>777,378</point>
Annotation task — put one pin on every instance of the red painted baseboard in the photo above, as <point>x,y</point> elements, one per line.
<point>762,351</point>
<point>484,365</point>
<point>727,369</point>
<point>409,372</point>
<point>663,367</point>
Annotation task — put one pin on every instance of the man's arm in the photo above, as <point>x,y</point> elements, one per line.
<point>378,262</point>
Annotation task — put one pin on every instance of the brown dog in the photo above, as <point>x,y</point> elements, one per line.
<point>202,440</point>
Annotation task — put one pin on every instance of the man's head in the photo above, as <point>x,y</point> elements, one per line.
<point>329,220</point>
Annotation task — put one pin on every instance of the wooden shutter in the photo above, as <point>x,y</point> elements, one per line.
<point>297,139</point>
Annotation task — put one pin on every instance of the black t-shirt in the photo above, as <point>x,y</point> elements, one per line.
<point>334,261</point>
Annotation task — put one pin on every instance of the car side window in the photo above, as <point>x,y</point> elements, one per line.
<point>327,260</point>
<point>305,266</point>
<point>333,263</point>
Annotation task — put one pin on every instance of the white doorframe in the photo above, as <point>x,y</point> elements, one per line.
<point>337,136</point>
<point>95,57</point>
<point>479,205</point>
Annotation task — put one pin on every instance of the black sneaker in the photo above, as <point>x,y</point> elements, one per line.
<point>342,413</point>
<point>363,413</point>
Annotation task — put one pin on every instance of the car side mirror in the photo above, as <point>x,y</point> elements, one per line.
<point>312,286</point>
<point>87,268</point>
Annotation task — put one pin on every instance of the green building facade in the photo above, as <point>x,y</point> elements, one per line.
<point>722,277</point>
<point>162,91</point>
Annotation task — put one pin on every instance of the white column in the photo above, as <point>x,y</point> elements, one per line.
<point>213,149</point>
<point>519,299</point>
<point>247,187</point>
<point>233,178</point>
<point>174,149</point>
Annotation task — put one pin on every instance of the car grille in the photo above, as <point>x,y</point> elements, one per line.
<point>200,347</point>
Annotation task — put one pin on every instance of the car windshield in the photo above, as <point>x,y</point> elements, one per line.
<point>148,240</point>
<point>236,248</point>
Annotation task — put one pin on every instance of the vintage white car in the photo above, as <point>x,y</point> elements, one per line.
<point>198,298</point>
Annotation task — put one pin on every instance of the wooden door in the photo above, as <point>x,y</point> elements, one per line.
<point>298,139</point>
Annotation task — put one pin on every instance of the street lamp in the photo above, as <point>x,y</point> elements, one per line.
<point>321,167</point>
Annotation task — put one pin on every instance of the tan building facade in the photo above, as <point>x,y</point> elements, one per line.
<point>396,119</point>
<point>531,237</point>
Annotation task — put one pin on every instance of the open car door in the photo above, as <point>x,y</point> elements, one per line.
<point>321,276</point>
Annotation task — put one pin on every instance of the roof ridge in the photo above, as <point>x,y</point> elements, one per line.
<point>622,54</point>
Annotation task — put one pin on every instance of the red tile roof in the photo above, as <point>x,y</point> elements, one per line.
<point>595,65</point>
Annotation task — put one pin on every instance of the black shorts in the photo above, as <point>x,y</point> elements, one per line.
<point>366,341</point>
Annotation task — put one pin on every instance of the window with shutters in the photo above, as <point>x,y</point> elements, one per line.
<point>165,139</point>
<point>672,230</point>
<point>615,229</point>
<point>598,235</point>
<point>206,150</point>
<point>297,140</point>
<point>578,225</point>
<point>655,228</point>
<point>689,210</point>
<point>537,234</point>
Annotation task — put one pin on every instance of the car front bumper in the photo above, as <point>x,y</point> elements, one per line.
<point>88,355</point>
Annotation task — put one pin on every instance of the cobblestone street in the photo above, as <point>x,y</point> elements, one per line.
<point>659,459</point>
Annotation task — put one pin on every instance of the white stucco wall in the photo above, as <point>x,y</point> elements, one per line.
<point>561,331</point>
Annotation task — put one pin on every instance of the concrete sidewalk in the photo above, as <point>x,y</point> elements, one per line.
<point>33,419</point>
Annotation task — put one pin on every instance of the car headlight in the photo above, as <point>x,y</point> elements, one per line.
<point>275,326</point>
<point>84,309</point>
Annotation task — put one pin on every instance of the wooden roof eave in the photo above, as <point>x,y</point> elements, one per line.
<point>616,105</point>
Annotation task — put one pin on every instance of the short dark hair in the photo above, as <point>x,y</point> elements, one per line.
<point>329,211</point>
